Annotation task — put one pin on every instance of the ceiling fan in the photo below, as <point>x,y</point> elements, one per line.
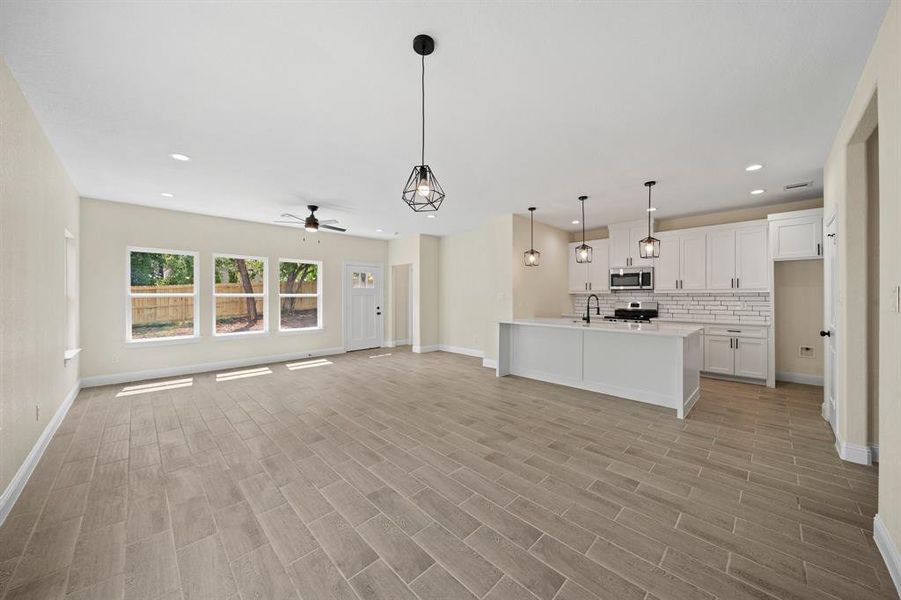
<point>311,223</point>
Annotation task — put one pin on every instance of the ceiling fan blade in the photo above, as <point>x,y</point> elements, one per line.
<point>328,221</point>
<point>321,226</point>
<point>288,222</point>
<point>292,216</point>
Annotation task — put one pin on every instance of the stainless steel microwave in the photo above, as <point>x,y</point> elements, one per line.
<point>632,278</point>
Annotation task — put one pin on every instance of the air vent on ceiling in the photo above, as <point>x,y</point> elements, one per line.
<point>797,186</point>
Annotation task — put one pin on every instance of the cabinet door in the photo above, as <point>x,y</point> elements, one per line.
<point>750,358</point>
<point>599,268</point>
<point>719,357</point>
<point>751,272</point>
<point>666,271</point>
<point>619,247</point>
<point>721,259</point>
<point>797,239</point>
<point>636,234</point>
<point>692,261</point>
<point>578,272</point>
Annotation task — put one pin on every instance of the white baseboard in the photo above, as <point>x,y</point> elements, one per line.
<point>460,350</point>
<point>132,376</point>
<point>889,551</point>
<point>424,349</point>
<point>17,484</point>
<point>395,343</point>
<point>854,453</point>
<point>799,378</point>
<point>489,363</point>
<point>874,452</point>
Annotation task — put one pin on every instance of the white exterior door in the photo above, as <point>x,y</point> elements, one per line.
<point>751,357</point>
<point>666,271</point>
<point>830,327</point>
<point>721,260</point>
<point>751,272</point>
<point>692,261</point>
<point>363,306</point>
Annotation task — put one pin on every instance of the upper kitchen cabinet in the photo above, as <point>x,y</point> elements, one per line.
<point>682,262</point>
<point>737,258</point>
<point>593,276</point>
<point>624,238</point>
<point>797,235</point>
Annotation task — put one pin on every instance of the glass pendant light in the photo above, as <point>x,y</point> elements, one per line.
<point>531,257</point>
<point>649,247</point>
<point>583,251</point>
<point>422,191</point>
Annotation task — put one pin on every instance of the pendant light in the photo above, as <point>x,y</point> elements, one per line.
<point>422,192</point>
<point>583,251</point>
<point>649,247</point>
<point>531,257</point>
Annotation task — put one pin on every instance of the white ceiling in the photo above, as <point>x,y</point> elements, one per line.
<point>283,104</point>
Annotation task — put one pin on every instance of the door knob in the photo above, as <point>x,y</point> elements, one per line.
<point>825,334</point>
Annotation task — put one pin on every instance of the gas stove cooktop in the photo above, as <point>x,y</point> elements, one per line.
<point>633,311</point>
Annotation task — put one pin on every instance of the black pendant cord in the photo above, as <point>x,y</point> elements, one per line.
<point>532,229</point>
<point>649,211</point>
<point>422,156</point>
<point>583,222</point>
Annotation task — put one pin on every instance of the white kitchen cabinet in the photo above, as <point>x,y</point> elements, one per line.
<point>692,261</point>
<point>668,268</point>
<point>721,259</point>
<point>739,351</point>
<point>624,238</point>
<point>719,355</point>
<point>737,258</point>
<point>797,235</point>
<point>593,276</point>
<point>750,357</point>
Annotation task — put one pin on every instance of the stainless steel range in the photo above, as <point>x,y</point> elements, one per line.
<point>634,311</point>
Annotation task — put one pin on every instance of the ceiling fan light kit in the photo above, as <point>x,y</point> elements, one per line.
<point>422,192</point>
<point>311,223</point>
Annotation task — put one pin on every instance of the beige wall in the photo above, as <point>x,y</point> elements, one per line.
<point>798,296</point>
<point>712,218</point>
<point>37,204</point>
<point>108,228</point>
<point>421,253</point>
<point>540,291</point>
<point>400,304</point>
<point>844,194</point>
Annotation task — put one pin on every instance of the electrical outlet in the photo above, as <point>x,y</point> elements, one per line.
<point>37,412</point>
<point>806,352</point>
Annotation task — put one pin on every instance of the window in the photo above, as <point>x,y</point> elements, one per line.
<point>299,294</point>
<point>362,280</point>
<point>239,295</point>
<point>162,295</point>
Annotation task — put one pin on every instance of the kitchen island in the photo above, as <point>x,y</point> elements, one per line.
<point>654,363</point>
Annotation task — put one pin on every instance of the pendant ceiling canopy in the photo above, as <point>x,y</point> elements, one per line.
<point>422,191</point>
<point>649,247</point>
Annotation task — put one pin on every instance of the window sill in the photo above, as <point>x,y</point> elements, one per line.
<point>71,353</point>
<point>163,341</point>
<point>301,331</point>
<point>239,335</point>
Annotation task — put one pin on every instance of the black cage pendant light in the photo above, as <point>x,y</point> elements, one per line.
<point>649,247</point>
<point>531,257</point>
<point>422,192</point>
<point>583,251</point>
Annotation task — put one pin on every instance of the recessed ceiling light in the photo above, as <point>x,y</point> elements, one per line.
<point>754,167</point>
<point>576,222</point>
<point>757,192</point>
<point>430,216</point>
<point>652,209</point>
<point>181,157</point>
<point>167,195</point>
<point>378,230</point>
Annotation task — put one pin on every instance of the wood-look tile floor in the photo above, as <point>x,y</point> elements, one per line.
<point>406,476</point>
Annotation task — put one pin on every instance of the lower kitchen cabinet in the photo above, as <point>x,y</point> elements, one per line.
<point>737,356</point>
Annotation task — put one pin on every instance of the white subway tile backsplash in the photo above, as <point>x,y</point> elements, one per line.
<point>750,307</point>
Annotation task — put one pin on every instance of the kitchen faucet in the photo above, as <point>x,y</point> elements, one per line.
<point>597,302</point>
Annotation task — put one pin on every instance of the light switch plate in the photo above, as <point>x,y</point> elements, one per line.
<point>806,352</point>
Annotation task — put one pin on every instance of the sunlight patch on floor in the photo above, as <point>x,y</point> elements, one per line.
<point>156,386</point>
<point>229,376</point>
<point>308,364</point>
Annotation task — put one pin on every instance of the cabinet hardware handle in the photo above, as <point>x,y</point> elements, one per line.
<point>737,282</point>
<point>736,343</point>
<point>730,343</point>
<point>819,249</point>
<point>732,282</point>
<point>734,330</point>
<point>589,285</point>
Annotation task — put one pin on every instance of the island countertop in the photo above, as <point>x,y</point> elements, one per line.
<point>657,329</point>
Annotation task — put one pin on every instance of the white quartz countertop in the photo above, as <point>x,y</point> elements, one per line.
<point>660,329</point>
<point>701,321</point>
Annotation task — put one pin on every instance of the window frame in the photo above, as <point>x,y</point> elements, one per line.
<point>317,295</point>
<point>264,296</point>
<point>129,295</point>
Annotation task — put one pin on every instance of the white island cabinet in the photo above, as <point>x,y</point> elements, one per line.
<point>657,364</point>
